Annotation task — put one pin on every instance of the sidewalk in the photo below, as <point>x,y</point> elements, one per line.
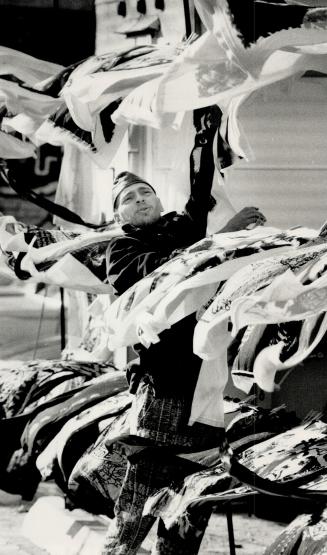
<point>11,520</point>
<point>252,535</point>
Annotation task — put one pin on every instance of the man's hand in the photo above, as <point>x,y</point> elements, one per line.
<point>247,216</point>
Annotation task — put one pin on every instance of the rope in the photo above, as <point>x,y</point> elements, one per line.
<point>41,201</point>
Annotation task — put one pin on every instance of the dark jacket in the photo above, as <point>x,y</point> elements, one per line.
<point>171,363</point>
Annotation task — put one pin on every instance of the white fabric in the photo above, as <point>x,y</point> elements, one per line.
<point>77,316</point>
<point>22,100</point>
<point>54,251</point>
<point>208,398</point>
<point>234,132</point>
<point>102,153</point>
<point>289,448</point>
<point>139,109</point>
<point>217,67</point>
<point>84,188</point>
<point>89,91</point>
<point>12,147</point>
<point>9,228</point>
<point>268,362</point>
<point>128,317</point>
<point>283,300</point>
<point>107,151</point>
<point>69,273</point>
<point>244,282</point>
<point>224,210</point>
<point>22,123</point>
<point>242,372</point>
<point>25,67</point>
<point>66,270</point>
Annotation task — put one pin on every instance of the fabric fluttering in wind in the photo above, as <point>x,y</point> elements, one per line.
<point>183,284</point>
<point>307,534</point>
<point>246,282</point>
<point>25,68</point>
<point>285,299</point>
<point>13,148</point>
<point>103,79</point>
<point>66,258</point>
<point>217,67</point>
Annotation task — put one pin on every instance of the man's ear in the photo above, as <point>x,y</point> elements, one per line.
<point>160,205</point>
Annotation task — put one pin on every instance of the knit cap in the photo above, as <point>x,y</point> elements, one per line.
<point>123,181</point>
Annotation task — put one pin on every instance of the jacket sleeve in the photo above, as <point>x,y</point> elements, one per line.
<point>128,262</point>
<point>202,169</point>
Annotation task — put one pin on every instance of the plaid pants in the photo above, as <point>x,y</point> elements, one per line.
<point>128,530</point>
<point>163,422</point>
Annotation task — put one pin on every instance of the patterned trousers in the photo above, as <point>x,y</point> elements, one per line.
<point>129,528</point>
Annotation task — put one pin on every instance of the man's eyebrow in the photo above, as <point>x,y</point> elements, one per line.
<point>127,194</point>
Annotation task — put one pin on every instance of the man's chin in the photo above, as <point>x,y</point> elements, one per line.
<point>146,220</point>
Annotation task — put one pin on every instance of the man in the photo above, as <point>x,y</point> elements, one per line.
<point>166,376</point>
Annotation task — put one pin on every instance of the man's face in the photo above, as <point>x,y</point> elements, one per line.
<point>138,205</point>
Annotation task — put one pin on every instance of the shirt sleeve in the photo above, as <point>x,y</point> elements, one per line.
<point>128,262</point>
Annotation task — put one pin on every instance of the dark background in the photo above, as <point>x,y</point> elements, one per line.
<point>61,31</point>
